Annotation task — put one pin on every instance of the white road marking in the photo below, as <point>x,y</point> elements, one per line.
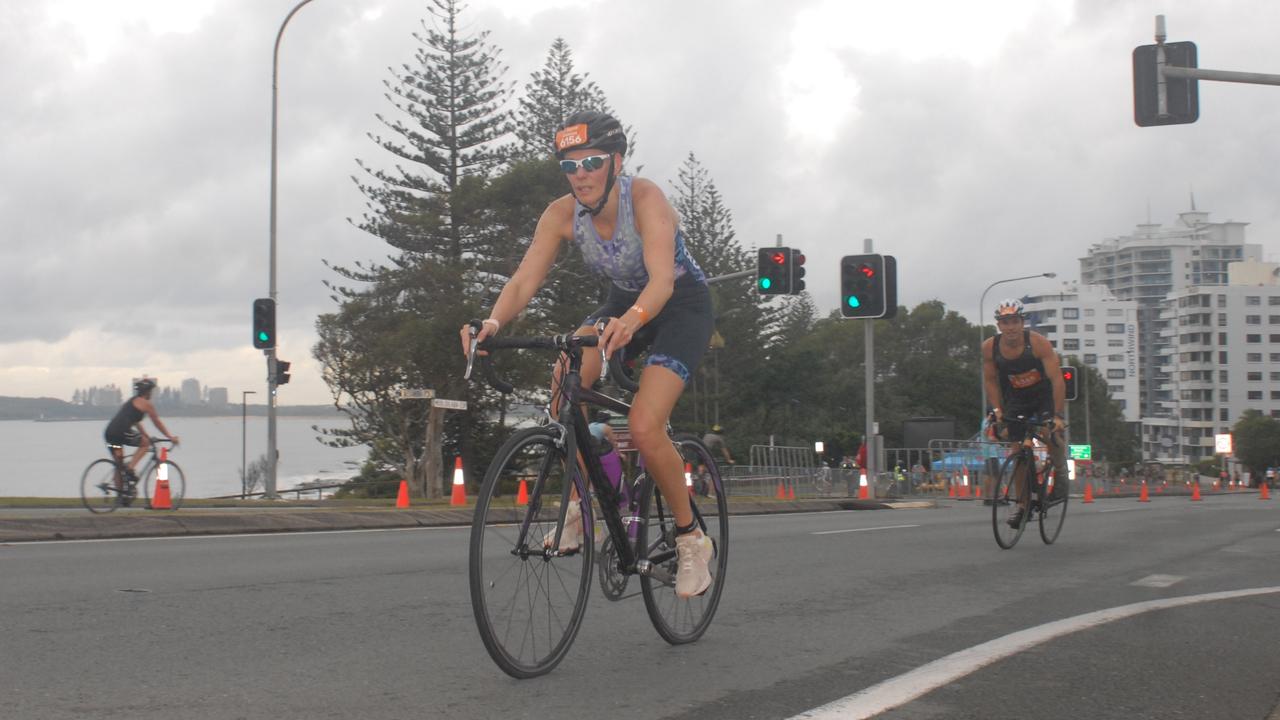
<point>907,687</point>
<point>885,527</point>
<point>1158,581</point>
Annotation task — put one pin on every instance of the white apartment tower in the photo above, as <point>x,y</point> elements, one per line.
<point>1155,261</point>
<point>1221,347</point>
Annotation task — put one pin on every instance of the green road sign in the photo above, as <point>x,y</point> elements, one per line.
<point>1081,452</point>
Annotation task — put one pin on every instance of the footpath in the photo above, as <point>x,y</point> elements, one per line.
<point>32,522</point>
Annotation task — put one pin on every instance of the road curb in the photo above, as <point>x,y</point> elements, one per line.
<point>230,522</point>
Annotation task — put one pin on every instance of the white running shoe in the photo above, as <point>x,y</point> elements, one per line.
<point>693,554</point>
<point>571,538</point>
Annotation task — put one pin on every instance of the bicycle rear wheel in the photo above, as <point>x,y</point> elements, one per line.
<point>679,620</point>
<point>1053,505</point>
<point>100,486</point>
<point>528,599</point>
<point>1004,502</point>
<point>167,470</point>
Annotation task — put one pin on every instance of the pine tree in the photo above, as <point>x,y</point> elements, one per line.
<point>553,94</point>
<point>455,97</point>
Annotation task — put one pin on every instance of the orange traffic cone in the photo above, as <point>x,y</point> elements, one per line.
<point>688,478</point>
<point>402,498</point>
<point>791,492</point>
<point>1195,491</point>
<point>522,497</point>
<point>782,492</point>
<point>1088,492</point>
<point>459,496</point>
<point>864,490</point>
<point>964,482</point>
<point>162,500</point>
<point>951,489</point>
<point>977,489</point>
<point>1142,495</point>
<point>1264,494</point>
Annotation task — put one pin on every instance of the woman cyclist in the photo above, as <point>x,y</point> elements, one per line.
<point>628,232</point>
<point>125,429</point>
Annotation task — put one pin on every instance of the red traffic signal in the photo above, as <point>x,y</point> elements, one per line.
<point>1069,379</point>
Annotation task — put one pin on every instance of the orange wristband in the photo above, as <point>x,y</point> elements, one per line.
<point>644,314</point>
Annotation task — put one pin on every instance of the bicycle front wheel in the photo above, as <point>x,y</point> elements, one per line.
<point>171,473</point>
<point>529,598</point>
<point>1008,518</point>
<point>1053,505</point>
<point>679,620</point>
<point>100,486</point>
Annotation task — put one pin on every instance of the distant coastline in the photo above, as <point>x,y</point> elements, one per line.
<point>55,410</point>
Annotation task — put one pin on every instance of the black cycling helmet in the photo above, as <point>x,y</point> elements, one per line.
<point>143,386</point>
<point>592,130</point>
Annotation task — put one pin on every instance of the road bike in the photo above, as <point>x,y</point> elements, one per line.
<point>106,485</point>
<point>1039,492</point>
<point>529,595</point>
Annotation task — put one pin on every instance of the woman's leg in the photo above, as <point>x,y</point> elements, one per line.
<point>660,388</point>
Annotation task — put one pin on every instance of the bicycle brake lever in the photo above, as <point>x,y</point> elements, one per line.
<point>604,359</point>
<point>471,355</point>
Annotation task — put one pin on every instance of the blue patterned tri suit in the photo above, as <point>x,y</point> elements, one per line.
<point>677,336</point>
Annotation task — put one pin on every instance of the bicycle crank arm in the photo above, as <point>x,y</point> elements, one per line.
<point>657,572</point>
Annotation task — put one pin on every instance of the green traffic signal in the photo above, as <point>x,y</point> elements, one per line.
<point>854,302</point>
<point>765,283</point>
<point>263,336</point>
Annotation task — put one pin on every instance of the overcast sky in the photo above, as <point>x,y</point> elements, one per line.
<point>974,141</point>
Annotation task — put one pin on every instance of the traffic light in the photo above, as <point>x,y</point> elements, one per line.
<point>868,286</point>
<point>796,266</point>
<point>1069,379</point>
<point>264,323</point>
<point>773,271</point>
<point>282,372</point>
<point>1181,95</point>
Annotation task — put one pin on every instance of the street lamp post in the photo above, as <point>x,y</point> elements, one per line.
<point>244,414</point>
<point>270,483</point>
<point>982,331</point>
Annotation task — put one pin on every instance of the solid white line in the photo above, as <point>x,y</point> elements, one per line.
<point>886,527</point>
<point>907,687</point>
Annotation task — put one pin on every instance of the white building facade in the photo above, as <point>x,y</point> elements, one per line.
<point>1221,349</point>
<point>1088,325</point>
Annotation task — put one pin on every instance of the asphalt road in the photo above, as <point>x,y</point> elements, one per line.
<point>819,607</point>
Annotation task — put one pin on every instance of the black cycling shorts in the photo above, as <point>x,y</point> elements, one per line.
<point>130,437</point>
<point>1018,430</point>
<point>677,338</point>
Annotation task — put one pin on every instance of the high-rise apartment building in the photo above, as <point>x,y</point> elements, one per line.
<point>1221,344</point>
<point>1152,263</point>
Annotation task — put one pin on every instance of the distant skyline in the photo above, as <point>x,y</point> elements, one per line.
<point>974,142</point>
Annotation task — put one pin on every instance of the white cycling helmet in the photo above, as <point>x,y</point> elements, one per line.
<point>1008,307</point>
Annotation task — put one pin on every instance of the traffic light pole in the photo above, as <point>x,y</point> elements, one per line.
<point>269,486</point>
<point>869,363</point>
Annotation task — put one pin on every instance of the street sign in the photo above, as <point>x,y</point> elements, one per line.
<point>1081,452</point>
<point>449,404</point>
<point>417,393</point>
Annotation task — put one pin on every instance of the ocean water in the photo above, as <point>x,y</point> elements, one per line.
<point>46,459</point>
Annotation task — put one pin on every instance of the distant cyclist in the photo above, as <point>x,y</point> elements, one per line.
<point>126,427</point>
<point>714,440</point>
<point>1021,368</point>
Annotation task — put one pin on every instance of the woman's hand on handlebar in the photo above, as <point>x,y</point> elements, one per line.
<point>617,335</point>
<point>487,328</point>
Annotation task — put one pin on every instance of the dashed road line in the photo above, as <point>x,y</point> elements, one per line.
<point>883,527</point>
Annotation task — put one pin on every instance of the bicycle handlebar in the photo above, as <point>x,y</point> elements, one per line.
<point>562,343</point>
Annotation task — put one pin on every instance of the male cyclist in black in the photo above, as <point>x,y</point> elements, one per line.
<point>126,427</point>
<point>1021,368</point>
